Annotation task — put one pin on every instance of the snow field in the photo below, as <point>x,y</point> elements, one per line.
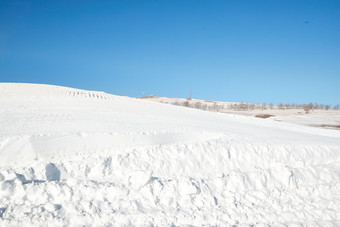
<point>84,160</point>
<point>317,118</point>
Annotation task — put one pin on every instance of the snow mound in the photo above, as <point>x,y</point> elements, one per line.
<point>84,158</point>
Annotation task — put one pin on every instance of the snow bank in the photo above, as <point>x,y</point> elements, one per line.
<point>73,157</point>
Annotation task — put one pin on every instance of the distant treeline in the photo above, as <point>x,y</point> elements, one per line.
<point>214,106</point>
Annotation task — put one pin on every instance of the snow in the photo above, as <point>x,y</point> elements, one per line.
<point>316,117</point>
<point>84,158</point>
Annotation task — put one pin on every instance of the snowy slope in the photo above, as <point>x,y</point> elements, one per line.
<point>74,157</point>
<point>317,118</point>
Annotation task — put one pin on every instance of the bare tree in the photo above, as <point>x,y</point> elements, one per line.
<point>311,106</point>
<point>280,106</point>
<point>306,108</point>
<point>322,106</point>
<point>186,104</point>
<point>252,106</point>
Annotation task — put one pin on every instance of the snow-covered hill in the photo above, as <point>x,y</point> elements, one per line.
<point>74,157</point>
<point>298,115</point>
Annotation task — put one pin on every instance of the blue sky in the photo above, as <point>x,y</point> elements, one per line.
<point>232,50</point>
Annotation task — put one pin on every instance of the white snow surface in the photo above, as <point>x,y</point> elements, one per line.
<point>71,157</point>
<point>318,118</point>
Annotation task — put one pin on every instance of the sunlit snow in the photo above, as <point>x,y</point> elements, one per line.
<point>71,157</point>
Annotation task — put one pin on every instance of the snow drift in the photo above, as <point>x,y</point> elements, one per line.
<point>74,157</point>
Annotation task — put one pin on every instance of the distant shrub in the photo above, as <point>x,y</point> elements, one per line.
<point>264,115</point>
<point>306,108</point>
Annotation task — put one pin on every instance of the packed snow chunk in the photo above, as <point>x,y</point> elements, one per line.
<point>52,172</point>
<point>188,187</point>
<point>2,211</point>
<point>52,207</point>
<point>8,187</point>
<point>139,179</point>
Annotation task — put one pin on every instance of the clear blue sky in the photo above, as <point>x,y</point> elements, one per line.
<point>231,50</point>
